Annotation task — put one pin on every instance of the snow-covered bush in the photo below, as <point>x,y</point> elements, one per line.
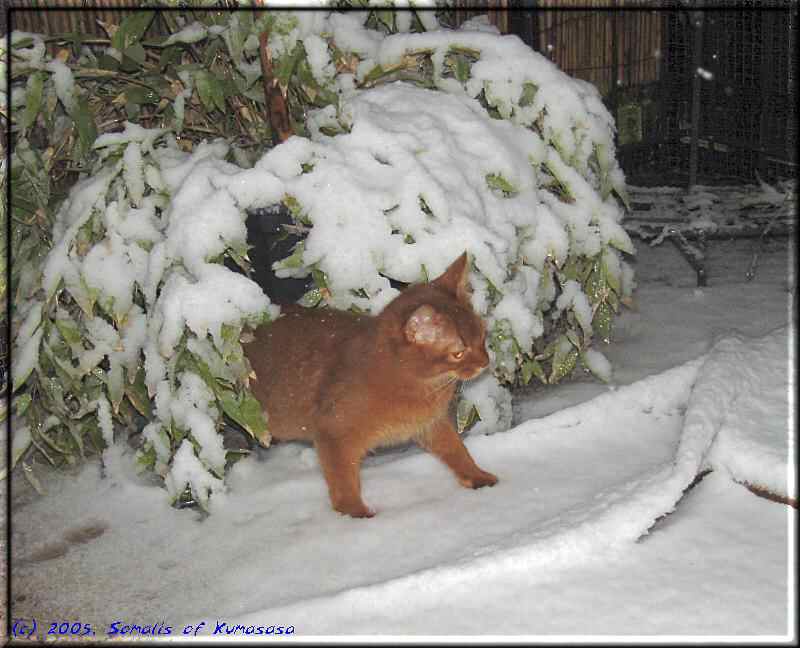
<point>411,148</point>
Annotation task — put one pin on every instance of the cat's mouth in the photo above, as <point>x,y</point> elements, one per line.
<point>477,372</point>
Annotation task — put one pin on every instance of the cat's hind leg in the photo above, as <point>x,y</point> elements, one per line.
<point>443,441</point>
<point>341,466</point>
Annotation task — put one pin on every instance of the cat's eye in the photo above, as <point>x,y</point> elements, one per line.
<point>457,355</point>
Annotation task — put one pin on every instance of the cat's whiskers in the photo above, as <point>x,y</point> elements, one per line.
<point>439,386</point>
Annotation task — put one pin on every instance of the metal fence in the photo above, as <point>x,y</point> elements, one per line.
<point>698,96</point>
<point>724,106</point>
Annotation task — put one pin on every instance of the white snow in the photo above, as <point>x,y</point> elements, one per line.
<point>104,418</point>
<point>751,445</point>
<point>134,172</point>
<point>33,52</point>
<point>188,470</point>
<point>598,364</point>
<point>64,83</point>
<point>492,402</point>
<point>190,34</point>
<point>479,23</point>
<point>554,549</point>
<point>319,59</point>
<point>573,297</point>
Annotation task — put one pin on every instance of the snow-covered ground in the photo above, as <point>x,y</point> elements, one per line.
<point>563,545</point>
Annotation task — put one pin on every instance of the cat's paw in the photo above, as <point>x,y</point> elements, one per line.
<point>478,480</point>
<point>355,509</point>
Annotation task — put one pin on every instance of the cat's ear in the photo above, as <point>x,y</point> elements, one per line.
<point>454,279</point>
<point>424,325</point>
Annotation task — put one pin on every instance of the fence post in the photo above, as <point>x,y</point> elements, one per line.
<point>696,20</point>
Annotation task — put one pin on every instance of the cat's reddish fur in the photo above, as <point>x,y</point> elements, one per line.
<point>350,383</point>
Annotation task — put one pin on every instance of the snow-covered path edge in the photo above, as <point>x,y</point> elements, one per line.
<point>620,516</point>
<point>712,387</point>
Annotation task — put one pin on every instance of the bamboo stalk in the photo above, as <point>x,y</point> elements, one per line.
<point>276,100</point>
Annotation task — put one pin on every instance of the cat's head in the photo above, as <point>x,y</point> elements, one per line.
<point>440,334</point>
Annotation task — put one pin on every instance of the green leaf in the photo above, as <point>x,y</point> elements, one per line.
<point>238,30</point>
<point>295,259</point>
<point>330,131</point>
<point>137,394</point>
<point>466,415</point>
<point>76,435</point>
<point>386,18</point>
<point>30,182</point>
<point>564,360</point>
<point>295,209</point>
<point>139,95</point>
<point>133,58</point>
<point>23,43</point>
<point>312,298</point>
<point>611,280</point>
<point>84,120</point>
<point>532,368</point>
<point>199,366</point>
<point>462,69</point>
<point>210,51</point>
<point>21,403</point>
<point>570,270</point>
<point>106,62</point>
<point>252,416</point>
<point>131,29</point>
<point>374,74</point>
<point>203,84</point>
<point>603,321</point>
<point>595,284</point>
<point>499,183</point>
<point>231,347</point>
<point>217,93</point>
<point>239,256</point>
<point>22,372</point>
<point>528,94</point>
<point>572,336</point>
<point>67,328</point>
<point>613,301</point>
<point>168,56</point>
<point>320,278</point>
<point>59,371</point>
<point>623,196</point>
<point>246,411</point>
<point>146,459</point>
<point>33,99</point>
<point>287,63</point>
<point>116,383</point>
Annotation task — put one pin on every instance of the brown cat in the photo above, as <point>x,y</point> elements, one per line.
<point>350,383</point>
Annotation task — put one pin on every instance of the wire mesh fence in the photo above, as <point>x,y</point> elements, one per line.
<point>704,96</point>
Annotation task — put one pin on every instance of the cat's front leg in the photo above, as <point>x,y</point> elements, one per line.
<point>443,441</point>
<point>341,465</point>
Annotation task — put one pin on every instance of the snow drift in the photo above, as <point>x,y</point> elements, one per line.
<point>621,498</point>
